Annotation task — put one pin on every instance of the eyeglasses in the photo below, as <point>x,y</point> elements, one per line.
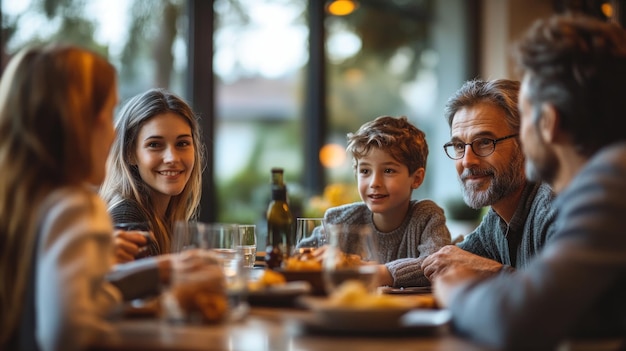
<point>482,147</point>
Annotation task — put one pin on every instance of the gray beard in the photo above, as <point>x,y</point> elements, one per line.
<point>500,186</point>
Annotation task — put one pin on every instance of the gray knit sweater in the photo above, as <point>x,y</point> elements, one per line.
<point>402,250</point>
<point>516,243</point>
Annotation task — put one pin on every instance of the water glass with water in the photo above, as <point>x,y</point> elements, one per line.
<point>310,235</point>
<point>247,234</point>
<point>223,242</point>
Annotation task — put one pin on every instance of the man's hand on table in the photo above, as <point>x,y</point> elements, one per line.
<point>451,256</point>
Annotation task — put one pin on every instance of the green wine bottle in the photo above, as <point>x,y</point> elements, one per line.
<point>280,233</point>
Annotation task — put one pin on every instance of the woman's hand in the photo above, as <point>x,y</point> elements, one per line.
<point>128,244</point>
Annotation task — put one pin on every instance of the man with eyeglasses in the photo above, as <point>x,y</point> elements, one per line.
<point>484,121</point>
<point>572,106</point>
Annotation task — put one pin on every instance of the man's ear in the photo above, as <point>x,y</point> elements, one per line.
<point>418,178</point>
<point>549,122</point>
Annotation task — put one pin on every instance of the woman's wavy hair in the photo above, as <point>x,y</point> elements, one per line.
<point>123,181</point>
<point>50,97</point>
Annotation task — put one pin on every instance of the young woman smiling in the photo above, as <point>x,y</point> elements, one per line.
<point>154,170</point>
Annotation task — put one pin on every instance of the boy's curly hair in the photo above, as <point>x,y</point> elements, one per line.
<point>397,136</point>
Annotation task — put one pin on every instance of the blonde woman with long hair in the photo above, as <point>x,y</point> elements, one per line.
<point>154,170</point>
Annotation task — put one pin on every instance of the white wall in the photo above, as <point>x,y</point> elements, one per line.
<point>504,21</point>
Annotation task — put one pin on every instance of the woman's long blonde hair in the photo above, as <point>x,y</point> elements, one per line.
<point>123,181</point>
<point>49,99</point>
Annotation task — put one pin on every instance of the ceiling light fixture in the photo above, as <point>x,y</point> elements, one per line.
<point>341,7</point>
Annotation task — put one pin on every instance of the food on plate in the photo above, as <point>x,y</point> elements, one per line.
<point>303,261</point>
<point>349,261</point>
<point>353,293</point>
<point>311,260</point>
<point>268,278</point>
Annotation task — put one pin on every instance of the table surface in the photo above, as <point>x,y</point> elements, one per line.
<point>269,329</point>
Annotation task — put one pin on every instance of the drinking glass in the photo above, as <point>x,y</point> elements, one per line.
<point>217,244</point>
<point>247,234</point>
<point>351,254</point>
<point>309,235</point>
<point>196,293</point>
<point>224,240</point>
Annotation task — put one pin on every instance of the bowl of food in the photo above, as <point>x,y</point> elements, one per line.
<point>272,289</point>
<point>304,266</point>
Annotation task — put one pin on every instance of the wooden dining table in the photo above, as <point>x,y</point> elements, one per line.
<point>270,329</point>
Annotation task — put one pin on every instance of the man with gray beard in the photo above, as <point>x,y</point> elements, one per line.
<point>484,122</point>
<point>571,296</point>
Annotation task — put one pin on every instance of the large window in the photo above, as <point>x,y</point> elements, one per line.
<point>289,81</point>
<point>261,54</point>
<point>283,81</point>
<point>145,40</point>
<point>378,62</point>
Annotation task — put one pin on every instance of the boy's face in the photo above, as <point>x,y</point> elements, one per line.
<point>385,184</point>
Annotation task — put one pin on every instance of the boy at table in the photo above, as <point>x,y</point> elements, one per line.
<point>389,157</point>
<point>571,102</point>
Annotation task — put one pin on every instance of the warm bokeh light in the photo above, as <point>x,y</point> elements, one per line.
<point>354,76</point>
<point>607,10</point>
<point>332,155</point>
<point>341,7</point>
